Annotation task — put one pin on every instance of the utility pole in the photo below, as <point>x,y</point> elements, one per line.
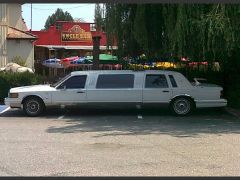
<point>96,51</point>
<point>103,11</point>
<point>31,18</point>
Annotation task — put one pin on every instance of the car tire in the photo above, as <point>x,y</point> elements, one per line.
<point>181,106</point>
<point>33,106</point>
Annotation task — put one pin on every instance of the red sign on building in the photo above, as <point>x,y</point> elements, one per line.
<point>75,35</point>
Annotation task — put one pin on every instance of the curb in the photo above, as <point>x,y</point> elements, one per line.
<point>233,112</point>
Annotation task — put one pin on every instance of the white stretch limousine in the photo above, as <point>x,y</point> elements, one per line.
<point>150,87</point>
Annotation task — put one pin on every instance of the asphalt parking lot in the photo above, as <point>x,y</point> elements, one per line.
<point>88,142</point>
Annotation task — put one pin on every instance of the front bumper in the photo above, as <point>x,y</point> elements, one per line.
<point>12,102</point>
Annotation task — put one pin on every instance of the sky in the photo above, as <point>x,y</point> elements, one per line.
<point>40,12</point>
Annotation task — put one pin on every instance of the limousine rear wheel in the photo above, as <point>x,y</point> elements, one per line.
<point>182,106</point>
<point>33,106</point>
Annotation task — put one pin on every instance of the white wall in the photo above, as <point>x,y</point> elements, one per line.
<point>11,15</point>
<point>3,34</point>
<point>22,48</point>
<point>15,16</point>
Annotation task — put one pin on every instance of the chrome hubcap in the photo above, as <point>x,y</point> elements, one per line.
<point>182,106</point>
<point>33,106</point>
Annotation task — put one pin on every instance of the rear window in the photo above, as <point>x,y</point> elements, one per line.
<point>156,81</point>
<point>109,81</point>
<point>173,82</point>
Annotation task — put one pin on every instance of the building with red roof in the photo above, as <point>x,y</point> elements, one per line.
<point>65,39</point>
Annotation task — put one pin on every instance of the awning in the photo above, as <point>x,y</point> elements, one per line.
<point>76,47</point>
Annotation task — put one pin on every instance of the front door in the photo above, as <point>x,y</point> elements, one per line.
<point>71,92</point>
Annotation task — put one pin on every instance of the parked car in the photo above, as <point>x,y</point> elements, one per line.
<point>118,87</point>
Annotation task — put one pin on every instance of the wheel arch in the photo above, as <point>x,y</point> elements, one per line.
<point>33,96</point>
<point>185,96</point>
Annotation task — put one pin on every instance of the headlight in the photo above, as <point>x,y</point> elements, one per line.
<point>13,95</point>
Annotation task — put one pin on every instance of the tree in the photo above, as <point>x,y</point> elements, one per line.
<point>207,31</point>
<point>202,32</point>
<point>99,21</point>
<point>59,15</point>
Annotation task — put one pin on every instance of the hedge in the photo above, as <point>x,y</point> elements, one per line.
<point>9,80</point>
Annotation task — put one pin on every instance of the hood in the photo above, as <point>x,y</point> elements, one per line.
<point>34,88</point>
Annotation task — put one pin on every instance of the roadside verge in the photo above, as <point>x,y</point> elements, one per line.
<point>232,111</point>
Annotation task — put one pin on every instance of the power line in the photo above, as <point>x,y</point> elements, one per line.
<point>61,8</point>
<point>52,4</point>
<point>31,16</point>
<point>63,4</point>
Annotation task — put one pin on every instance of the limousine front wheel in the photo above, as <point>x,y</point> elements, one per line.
<point>182,106</point>
<point>33,106</point>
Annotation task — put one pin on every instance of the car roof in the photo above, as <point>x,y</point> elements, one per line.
<point>122,72</point>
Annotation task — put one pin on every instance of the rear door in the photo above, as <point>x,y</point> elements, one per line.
<point>115,88</point>
<point>156,89</point>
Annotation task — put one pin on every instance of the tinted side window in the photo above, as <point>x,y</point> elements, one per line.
<point>173,82</point>
<point>156,81</point>
<point>75,82</point>
<point>115,81</point>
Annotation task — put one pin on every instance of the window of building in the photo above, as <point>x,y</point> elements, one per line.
<point>106,81</point>
<point>75,82</point>
<point>173,82</point>
<point>92,27</point>
<point>156,81</point>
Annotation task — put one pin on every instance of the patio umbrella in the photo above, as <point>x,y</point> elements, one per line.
<point>80,60</point>
<point>53,63</point>
<point>66,61</point>
<point>105,59</point>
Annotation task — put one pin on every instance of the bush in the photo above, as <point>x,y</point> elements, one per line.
<point>19,60</point>
<point>233,97</point>
<point>215,77</point>
<point>231,88</point>
<point>9,80</point>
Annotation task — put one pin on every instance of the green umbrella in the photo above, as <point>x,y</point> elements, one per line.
<point>105,59</point>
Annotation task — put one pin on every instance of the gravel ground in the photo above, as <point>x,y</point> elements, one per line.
<point>119,143</point>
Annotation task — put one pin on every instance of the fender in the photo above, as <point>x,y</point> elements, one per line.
<point>181,95</point>
<point>32,95</point>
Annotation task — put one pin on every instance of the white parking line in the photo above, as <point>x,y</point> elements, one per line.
<point>5,110</point>
<point>61,117</point>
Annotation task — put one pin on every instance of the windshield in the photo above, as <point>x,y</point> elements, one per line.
<point>61,80</point>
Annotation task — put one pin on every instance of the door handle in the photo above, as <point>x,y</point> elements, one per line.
<point>80,92</point>
<point>165,91</point>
